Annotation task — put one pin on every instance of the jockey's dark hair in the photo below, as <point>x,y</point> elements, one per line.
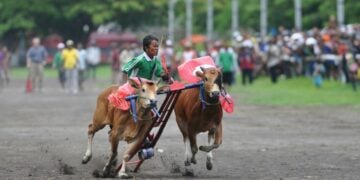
<point>147,40</point>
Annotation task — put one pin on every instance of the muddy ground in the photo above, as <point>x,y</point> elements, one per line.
<point>43,136</point>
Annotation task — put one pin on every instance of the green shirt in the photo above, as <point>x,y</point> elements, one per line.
<point>144,67</point>
<point>58,61</point>
<point>226,60</point>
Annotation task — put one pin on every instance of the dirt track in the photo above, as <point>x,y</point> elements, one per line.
<point>43,135</point>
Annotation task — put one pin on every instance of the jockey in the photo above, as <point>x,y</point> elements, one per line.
<point>147,65</point>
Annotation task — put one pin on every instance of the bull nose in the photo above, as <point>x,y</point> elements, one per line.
<point>153,103</point>
<point>215,94</point>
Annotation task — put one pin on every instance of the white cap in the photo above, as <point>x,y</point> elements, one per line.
<point>60,45</point>
<point>168,42</point>
<point>247,43</point>
<point>69,42</point>
<point>297,37</point>
<point>239,38</point>
<point>310,41</point>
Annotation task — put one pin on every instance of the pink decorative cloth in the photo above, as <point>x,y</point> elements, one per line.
<point>187,70</point>
<point>227,104</point>
<point>117,98</point>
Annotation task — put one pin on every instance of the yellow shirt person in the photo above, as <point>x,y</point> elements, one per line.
<point>69,55</point>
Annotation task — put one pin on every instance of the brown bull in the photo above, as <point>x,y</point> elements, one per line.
<point>195,114</point>
<point>122,124</point>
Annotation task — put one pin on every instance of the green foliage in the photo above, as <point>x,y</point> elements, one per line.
<point>67,17</point>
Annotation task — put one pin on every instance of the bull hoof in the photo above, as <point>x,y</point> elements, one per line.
<point>209,165</point>
<point>85,159</point>
<point>206,148</point>
<point>187,163</point>
<point>188,172</point>
<point>98,174</point>
<point>193,160</point>
<point>122,175</point>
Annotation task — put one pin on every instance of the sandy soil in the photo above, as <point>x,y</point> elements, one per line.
<point>43,136</point>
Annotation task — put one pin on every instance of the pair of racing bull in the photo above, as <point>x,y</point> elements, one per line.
<point>193,115</point>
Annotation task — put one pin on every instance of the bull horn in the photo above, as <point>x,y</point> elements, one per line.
<point>139,80</point>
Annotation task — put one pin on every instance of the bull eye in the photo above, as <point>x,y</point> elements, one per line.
<point>206,79</point>
<point>143,90</point>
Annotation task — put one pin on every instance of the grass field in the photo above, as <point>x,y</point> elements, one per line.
<point>103,72</point>
<point>293,92</point>
<point>296,92</point>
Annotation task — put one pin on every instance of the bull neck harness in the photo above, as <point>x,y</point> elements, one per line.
<point>133,112</point>
<point>205,103</point>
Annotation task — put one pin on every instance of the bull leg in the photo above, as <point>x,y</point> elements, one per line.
<point>194,147</point>
<point>188,170</point>
<point>92,129</point>
<point>217,142</point>
<point>114,140</point>
<point>131,150</point>
<point>209,155</point>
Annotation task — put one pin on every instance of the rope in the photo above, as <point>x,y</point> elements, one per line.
<point>204,103</point>
<point>133,109</point>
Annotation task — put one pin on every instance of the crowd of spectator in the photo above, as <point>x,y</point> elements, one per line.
<point>328,53</point>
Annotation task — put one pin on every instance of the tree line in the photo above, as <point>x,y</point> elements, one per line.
<point>69,17</point>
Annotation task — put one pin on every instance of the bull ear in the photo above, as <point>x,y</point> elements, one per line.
<point>134,84</point>
<point>158,82</point>
<point>200,74</point>
<point>202,69</point>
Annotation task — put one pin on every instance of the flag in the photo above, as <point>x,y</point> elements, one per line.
<point>28,86</point>
<point>187,70</point>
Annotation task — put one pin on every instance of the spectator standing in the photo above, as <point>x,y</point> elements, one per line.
<point>70,56</point>
<point>115,64</point>
<point>329,57</point>
<point>319,69</point>
<point>246,61</point>
<point>286,58</point>
<point>2,73</point>
<point>7,56</point>
<point>125,56</point>
<point>93,59</point>
<point>168,55</point>
<point>273,60</point>
<point>214,51</point>
<point>36,59</point>
<point>226,61</point>
<point>81,65</point>
<point>311,54</point>
<point>188,53</point>
<point>58,63</point>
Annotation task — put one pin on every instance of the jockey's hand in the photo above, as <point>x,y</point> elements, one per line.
<point>170,81</point>
<point>167,78</point>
